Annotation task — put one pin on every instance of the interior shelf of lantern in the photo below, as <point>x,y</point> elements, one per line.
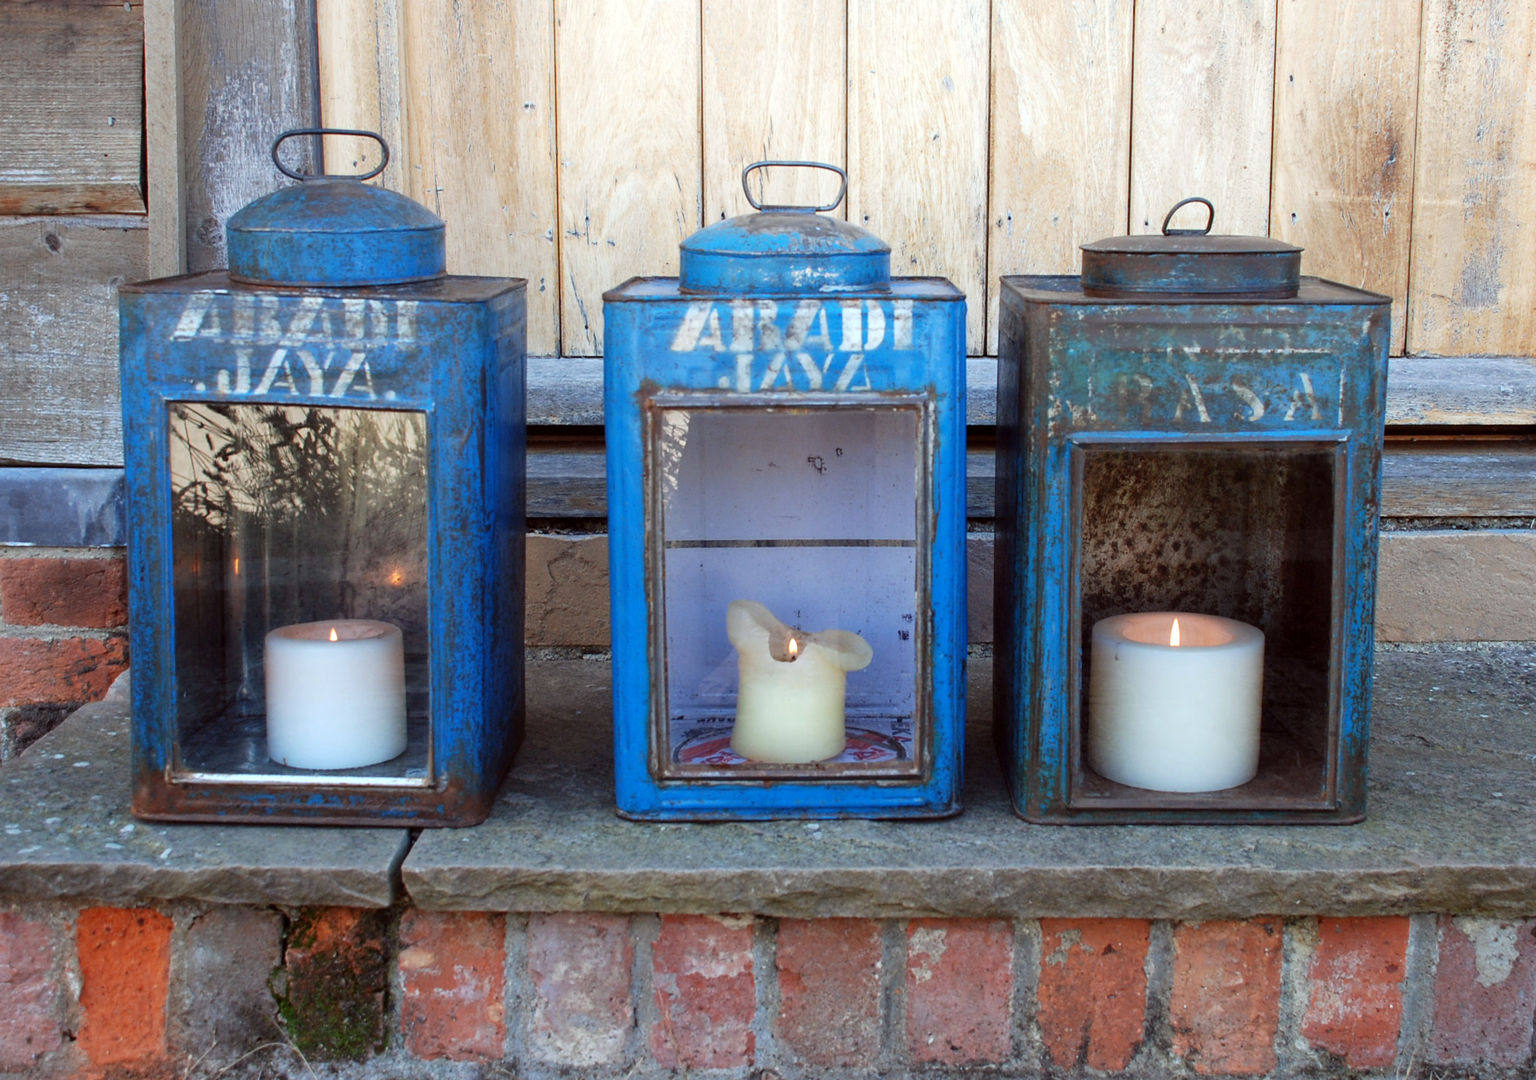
<point>1245,531</point>
<point>815,513</point>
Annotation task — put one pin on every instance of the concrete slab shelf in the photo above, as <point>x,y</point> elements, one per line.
<point>66,831</point>
<point>1451,827</point>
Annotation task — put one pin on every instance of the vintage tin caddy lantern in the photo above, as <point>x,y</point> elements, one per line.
<point>786,500</point>
<point>324,451</point>
<point>1188,476</point>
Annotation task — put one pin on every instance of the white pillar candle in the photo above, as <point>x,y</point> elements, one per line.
<point>791,686</point>
<point>1175,711</point>
<point>335,694</point>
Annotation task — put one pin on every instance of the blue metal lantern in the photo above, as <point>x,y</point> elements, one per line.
<point>786,501</point>
<point>1188,476</point>
<point>324,450</point>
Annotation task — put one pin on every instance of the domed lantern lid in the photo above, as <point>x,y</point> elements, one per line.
<point>334,230</point>
<point>1191,262</point>
<point>785,249</point>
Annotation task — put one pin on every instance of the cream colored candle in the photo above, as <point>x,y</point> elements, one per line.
<point>792,686</point>
<point>335,694</point>
<point>1173,701</point>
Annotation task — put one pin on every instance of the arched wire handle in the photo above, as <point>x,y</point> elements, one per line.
<point>841,191</point>
<point>374,135</point>
<point>1210,218</point>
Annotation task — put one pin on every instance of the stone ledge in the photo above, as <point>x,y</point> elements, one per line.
<point>66,831</point>
<point>1450,829</point>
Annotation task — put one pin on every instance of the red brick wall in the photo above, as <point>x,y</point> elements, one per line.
<point>100,991</point>
<point>63,636</point>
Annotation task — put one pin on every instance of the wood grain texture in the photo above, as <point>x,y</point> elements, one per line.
<point>627,100</point>
<point>72,75</point>
<point>774,88</point>
<point>1346,84</point>
<point>247,74</point>
<point>1433,391</point>
<point>358,59</point>
<point>1203,94</point>
<point>1459,480</point>
<point>917,139</point>
<point>1061,119</point>
<point>479,105</point>
<point>162,139</point>
<point>59,401</point>
<point>1473,284</point>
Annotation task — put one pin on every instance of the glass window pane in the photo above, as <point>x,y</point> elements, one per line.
<point>285,515</point>
<point>814,514</point>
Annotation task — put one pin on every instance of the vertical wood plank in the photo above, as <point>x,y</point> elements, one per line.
<point>774,87</point>
<point>630,170</point>
<point>162,139</point>
<point>1473,280</point>
<point>479,99</point>
<point>917,139</point>
<point>359,64</point>
<point>247,74</point>
<point>1202,105</point>
<point>1061,124</point>
<point>1346,84</point>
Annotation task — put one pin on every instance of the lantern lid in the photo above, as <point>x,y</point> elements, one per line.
<point>1191,262</point>
<point>334,231</point>
<point>780,249</point>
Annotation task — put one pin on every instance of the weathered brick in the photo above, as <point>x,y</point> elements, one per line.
<point>1093,990</point>
<point>65,671</point>
<point>702,981</point>
<point>221,1004</point>
<point>1225,1000</point>
<point>580,967</point>
<point>1355,1004</point>
<point>64,592</point>
<point>331,996</point>
<point>1485,991</point>
<point>125,958</point>
<point>23,725</point>
<point>829,990</point>
<point>29,1021</point>
<point>452,985</point>
<point>959,990</point>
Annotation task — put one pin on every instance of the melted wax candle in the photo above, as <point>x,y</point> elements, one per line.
<point>789,703</point>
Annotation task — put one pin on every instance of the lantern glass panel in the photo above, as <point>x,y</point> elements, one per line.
<point>816,512</point>
<point>283,515</point>
<point>1241,530</point>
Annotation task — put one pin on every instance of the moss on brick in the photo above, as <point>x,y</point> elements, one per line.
<point>330,988</point>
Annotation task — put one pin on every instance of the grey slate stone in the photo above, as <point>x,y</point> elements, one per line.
<point>66,831</point>
<point>1450,827</point>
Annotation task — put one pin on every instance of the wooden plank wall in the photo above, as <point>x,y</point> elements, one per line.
<point>575,142</point>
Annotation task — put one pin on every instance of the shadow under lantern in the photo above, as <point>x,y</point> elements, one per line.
<point>786,499</point>
<point>1188,477</point>
<point>324,451</point>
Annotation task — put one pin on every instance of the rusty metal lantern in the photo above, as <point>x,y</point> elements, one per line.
<point>1188,432</point>
<point>786,501</point>
<point>324,450</point>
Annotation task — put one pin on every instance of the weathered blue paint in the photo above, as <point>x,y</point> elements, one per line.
<point>721,338</point>
<point>1300,379</point>
<point>450,348</point>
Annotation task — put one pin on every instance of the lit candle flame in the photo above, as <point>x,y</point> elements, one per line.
<point>396,577</point>
<point>1173,635</point>
<point>237,566</point>
<point>333,634</point>
<point>794,648</point>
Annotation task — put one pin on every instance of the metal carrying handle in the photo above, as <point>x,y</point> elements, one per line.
<point>1210,217</point>
<point>841,191</point>
<point>374,135</point>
